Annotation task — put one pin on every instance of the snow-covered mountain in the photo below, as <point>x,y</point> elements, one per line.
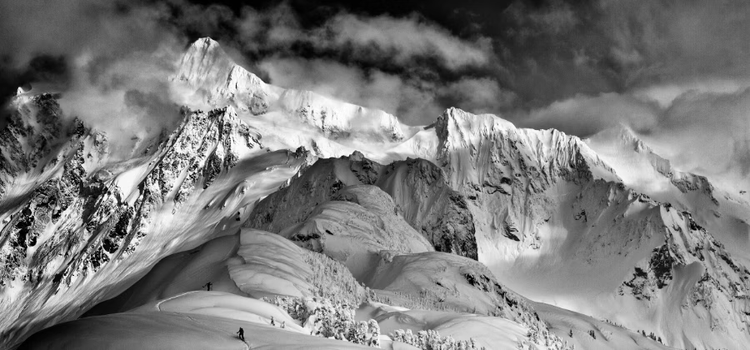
<point>338,221</point>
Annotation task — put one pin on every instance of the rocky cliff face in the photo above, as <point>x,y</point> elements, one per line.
<point>504,173</point>
<point>428,204</point>
<point>418,189</point>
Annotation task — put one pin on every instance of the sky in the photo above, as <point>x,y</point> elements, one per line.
<point>676,72</point>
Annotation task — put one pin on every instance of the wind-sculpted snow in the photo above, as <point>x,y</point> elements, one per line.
<point>490,151</point>
<point>447,282</point>
<point>354,226</point>
<point>261,264</point>
<point>249,263</point>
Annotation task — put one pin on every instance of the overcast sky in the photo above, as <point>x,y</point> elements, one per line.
<point>677,72</point>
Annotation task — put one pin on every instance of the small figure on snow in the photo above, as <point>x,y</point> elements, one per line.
<point>208,286</point>
<point>273,323</point>
<point>241,334</point>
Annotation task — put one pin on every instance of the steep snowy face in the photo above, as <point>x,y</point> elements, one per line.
<point>505,171</point>
<point>449,282</point>
<point>204,145</point>
<point>219,81</point>
<point>81,224</point>
<point>476,148</point>
<point>354,226</point>
<point>47,176</point>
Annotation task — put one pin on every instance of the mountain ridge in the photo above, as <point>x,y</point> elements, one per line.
<point>524,211</point>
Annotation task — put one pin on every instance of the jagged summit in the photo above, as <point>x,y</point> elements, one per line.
<point>471,146</point>
<point>206,67</point>
<point>218,80</point>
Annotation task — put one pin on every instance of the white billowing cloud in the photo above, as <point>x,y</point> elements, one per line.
<point>708,133</point>
<point>409,100</point>
<point>414,101</point>
<point>29,28</point>
<point>384,38</point>
<point>355,46</point>
<point>666,94</point>
<point>586,115</point>
<point>119,59</point>
<point>478,95</point>
<point>402,39</point>
<point>557,17</point>
<point>705,130</point>
<point>126,98</point>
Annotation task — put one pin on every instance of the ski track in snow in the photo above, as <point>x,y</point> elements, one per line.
<point>158,305</point>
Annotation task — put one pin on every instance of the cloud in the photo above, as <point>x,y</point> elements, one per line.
<point>415,101</point>
<point>585,115</point>
<point>385,41</point>
<point>661,42</point>
<point>127,97</point>
<point>109,59</point>
<point>402,40</point>
<point>479,95</point>
<point>708,133</point>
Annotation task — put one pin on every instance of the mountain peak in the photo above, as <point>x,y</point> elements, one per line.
<point>459,128</point>
<point>203,60</point>
<point>206,43</point>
